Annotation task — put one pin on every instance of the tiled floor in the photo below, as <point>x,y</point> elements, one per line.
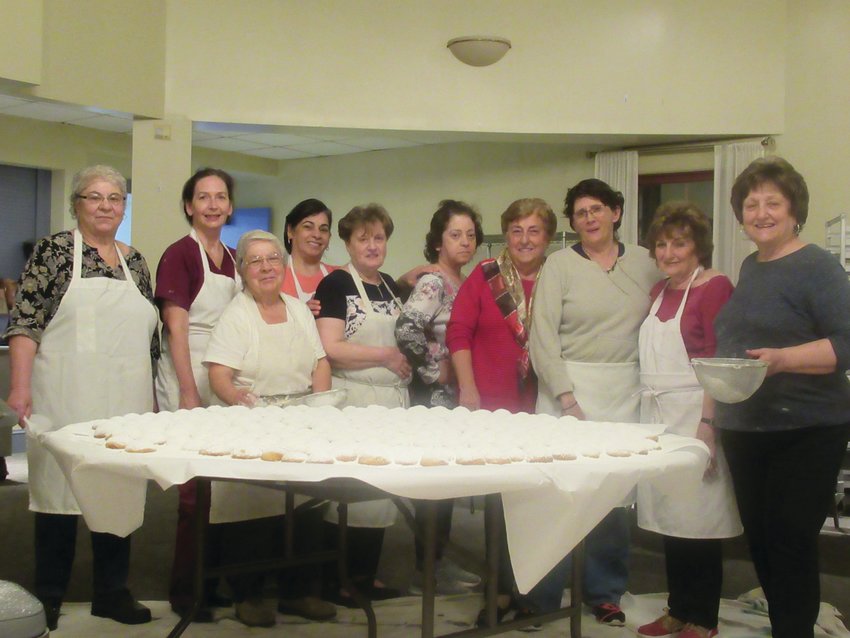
<point>400,618</point>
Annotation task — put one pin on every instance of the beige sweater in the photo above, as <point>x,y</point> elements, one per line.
<point>582,313</point>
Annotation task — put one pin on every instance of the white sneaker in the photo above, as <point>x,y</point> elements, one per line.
<point>445,586</point>
<point>448,570</point>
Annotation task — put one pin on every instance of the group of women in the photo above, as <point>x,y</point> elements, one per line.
<point>600,330</point>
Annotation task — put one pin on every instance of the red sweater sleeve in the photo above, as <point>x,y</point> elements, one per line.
<point>465,313</point>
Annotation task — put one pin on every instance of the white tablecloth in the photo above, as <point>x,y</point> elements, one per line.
<point>549,507</point>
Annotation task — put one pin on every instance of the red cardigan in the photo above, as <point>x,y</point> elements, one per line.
<point>477,325</point>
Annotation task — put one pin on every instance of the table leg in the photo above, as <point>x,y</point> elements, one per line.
<point>344,579</point>
<point>493,526</point>
<point>576,590</point>
<point>429,576</point>
<point>200,523</point>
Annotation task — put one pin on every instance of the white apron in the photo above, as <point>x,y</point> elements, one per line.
<point>672,395</point>
<point>93,362</point>
<point>372,386</point>
<point>304,296</point>
<point>236,501</point>
<point>216,292</point>
<point>604,391</point>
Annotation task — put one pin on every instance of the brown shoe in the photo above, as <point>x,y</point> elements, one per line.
<point>254,612</point>
<point>308,607</point>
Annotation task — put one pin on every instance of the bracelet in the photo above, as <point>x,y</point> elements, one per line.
<point>706,420</point>
<point>570,407</point>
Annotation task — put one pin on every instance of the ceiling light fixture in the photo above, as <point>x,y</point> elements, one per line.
<point>479,50</point>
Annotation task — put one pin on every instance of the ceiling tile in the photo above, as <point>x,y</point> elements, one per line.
<point>8,100</point>
<point>107,123</point>
<point>327,148</point>
<point>230,144</point>
<point>48,111</point>
<point>279,153</point>
<point>378,142</point>
<point>278,139</point>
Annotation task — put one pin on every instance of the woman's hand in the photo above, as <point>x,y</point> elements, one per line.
<point>244,396</point>
<point>446,375</point>
<point>189,399</point>
<point>774,357</point>
<point>396,362</point>
<point>706,434</point>
<point>314,305</point>
<point>570,406</point>
<point>469,398</point>
<point>20,400</point>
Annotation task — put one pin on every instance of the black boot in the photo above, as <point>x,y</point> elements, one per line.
<point>121,607</point>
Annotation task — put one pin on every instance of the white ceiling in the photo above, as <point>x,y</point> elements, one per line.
<point>290,142</point>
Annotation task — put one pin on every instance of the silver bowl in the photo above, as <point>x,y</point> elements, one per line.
<point>730,380</point>
<point>319,399</point>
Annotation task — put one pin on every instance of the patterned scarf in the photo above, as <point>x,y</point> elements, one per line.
<point>506,285</point>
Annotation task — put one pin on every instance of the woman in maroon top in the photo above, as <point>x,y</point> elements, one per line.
<point>693,517</point>
<point>195,281</point>
<point>487,334</point>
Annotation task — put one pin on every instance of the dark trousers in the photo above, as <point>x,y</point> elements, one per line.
<point>55,543</point>
<point>783,482</point>
<point>364,553</point>
<point>263,539</point>
<point>444,528</point>
<point>694,577</point>
<point>258,539</point>
<point>183,567</point>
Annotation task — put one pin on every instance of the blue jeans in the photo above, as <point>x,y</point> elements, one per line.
<point>606,567</point>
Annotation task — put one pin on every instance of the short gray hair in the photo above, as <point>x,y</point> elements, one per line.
<point>91,174</point>
<point>252,236</point>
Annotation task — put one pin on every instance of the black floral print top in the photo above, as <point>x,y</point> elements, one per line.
<point>48,274</point>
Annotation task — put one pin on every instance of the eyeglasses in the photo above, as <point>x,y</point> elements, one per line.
<point>255,263</point>
<point>97,199</point>
<point>592,211</point>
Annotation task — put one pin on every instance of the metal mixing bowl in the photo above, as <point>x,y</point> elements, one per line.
<point>730,380</point>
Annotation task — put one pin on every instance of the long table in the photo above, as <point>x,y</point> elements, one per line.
<point>548,507</point>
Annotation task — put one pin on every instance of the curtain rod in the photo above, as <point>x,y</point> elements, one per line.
<point>690,147</point>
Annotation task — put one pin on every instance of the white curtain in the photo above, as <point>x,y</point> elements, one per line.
<point>731,245</point>
<point>620,171</point>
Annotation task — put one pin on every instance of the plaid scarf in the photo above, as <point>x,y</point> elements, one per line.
<point>506,285</point>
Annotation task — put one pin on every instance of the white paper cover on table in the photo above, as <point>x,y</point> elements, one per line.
<point>550,504</point>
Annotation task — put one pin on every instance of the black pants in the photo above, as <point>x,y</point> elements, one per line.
<point>444,528</point>
<point>783,482</point>
<point>55,544</point>
<point>694,576</point>
<point>263,539</point>
<point>364,553</point>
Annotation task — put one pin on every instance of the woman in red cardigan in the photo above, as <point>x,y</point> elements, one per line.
<point>487,334</point>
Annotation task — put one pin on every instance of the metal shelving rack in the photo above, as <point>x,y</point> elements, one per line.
<point>837,241</point>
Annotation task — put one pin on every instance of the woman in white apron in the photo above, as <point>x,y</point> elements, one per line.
<point>195,280</point>
<point>692,518</point>
<point>591,299</point>
<point>245,364</point>
<point>82,336</point>
<point>359,308</point>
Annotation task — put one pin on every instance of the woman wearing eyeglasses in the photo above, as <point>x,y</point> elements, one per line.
<point>591,300</point>
<point>265,344</point>
<point>195,280</point>
<point>82,337</point>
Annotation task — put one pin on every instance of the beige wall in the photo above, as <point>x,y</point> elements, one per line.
<point>817,137</point>
<point>108,53</point>
<point>584,66</point>
<point>410,183</point>
<point>21,41</point>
